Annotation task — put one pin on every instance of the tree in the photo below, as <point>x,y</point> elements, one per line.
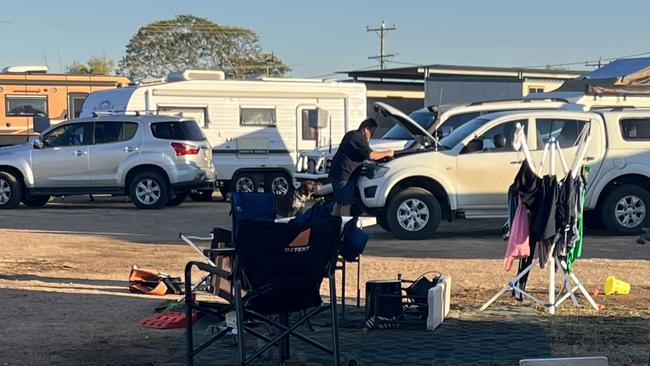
<point>190,42</point>
<point>96,65</point>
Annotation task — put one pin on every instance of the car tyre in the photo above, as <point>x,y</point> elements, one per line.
<point>37,201</point>
<point>244,182</point>
<point>149,191</point>
<point>413,214</point>
<point>11,191</point>
<point>625,210</point>
<point>278,183</point>
<point>382,220</point>
<point>178,199</point>
<point>201,196</point>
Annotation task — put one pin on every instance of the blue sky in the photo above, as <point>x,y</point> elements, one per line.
<point>319,38</point>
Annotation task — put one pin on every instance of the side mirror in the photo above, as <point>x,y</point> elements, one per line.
<point>499,141</point>
<point>38,143</point>
<point>472,146</point>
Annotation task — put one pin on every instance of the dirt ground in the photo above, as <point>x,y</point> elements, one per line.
<point>64,270</point>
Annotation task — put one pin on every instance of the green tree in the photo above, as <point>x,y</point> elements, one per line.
<point>190,42</point>
<point>96,65</point>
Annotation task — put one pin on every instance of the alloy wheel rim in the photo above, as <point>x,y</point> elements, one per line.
<point>413,215</point>
<point>630,211</point>
<point>148,191</point>
<point>279,186</point>
<point>244,184</point>
<point>5,191</point>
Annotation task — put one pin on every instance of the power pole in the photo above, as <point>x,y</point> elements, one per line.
<point>381,31</point>
<point>598,65</point>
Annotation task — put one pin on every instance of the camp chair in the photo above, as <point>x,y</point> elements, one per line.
<point>277,269</point>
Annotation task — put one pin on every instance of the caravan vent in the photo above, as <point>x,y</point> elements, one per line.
<point>195,75</point>
<point>26,69</point>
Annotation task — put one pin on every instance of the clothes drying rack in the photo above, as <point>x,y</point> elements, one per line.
<point>551,149</point>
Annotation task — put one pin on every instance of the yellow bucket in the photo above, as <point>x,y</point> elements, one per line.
<point>615,286</point>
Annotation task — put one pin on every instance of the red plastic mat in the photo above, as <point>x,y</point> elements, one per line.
<point>169,320</point>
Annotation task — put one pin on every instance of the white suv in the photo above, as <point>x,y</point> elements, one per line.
<point>452,178</point>
<point>438,121</point>
<point>155,160</point>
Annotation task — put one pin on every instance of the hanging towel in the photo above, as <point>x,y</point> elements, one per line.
<point>518,245</point>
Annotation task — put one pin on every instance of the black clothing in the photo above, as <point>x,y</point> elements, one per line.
<point>344,190</point>
<point>544,227</point>
<point>354,149</point>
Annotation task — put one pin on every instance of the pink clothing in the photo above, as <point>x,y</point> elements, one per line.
<point>518,246</point>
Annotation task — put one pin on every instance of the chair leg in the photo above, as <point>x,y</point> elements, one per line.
<point>189,341</point>
<point>239,308</point>
<point>284,351</point>
<point>335,321</point>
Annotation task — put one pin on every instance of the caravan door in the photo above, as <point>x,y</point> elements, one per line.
<point>306,136</point>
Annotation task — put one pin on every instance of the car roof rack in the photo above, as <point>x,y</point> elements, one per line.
<point>521,100</point>
<point>125,112</point>
<point>611,108</point>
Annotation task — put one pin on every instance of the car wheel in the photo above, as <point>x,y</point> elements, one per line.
<point>413,214</point>
<point>37,201</point>
<point>625,210</point>
<point>244,183</point>
<point>201,196</point>
<point>277,183</point>
<point>178,199</point>
<point>148,190</point>
<point>382,221</point>
<point>11,191</point>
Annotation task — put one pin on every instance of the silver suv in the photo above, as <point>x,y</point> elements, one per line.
<point>155,160</point>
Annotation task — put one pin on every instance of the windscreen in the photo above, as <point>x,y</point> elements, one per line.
<point>458,135</point>
<point>423,118</point>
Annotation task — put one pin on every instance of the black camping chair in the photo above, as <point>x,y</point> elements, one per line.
<point>277,269</point>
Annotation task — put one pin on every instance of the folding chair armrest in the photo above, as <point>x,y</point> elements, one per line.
<point>219,251</point>
<point>205,267</point>
<point>188,238</point>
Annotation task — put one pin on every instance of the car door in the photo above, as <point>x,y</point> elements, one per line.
<point>63,160</point>
<point>483,176</point>
<point>113,142</point>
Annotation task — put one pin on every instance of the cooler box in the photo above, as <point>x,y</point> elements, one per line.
<point>438,301</point>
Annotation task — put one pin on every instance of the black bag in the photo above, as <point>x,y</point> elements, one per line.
<point>419,289</point>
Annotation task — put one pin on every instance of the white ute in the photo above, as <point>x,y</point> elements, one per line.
<point>467,173</point>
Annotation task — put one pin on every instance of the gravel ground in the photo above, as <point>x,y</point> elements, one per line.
<point>63,272</point>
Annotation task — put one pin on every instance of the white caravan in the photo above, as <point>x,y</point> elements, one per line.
<point>257,128</point>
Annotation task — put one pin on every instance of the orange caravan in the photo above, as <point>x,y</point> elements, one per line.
<point>32,99</point>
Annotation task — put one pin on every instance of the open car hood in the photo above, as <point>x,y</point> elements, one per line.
<point>405,122</point>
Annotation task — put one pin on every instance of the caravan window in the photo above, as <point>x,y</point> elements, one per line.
<point>308,133</point>
<point>26,105</point>
<point>635,129</point>
<point>257,117</point>
<point>75,102</point>
<point>199,114</point>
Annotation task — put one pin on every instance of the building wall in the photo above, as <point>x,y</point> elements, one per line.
<point>456,91</point>
<point>533,86</point>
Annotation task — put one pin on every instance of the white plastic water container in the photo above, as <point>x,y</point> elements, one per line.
<point>438,301</point>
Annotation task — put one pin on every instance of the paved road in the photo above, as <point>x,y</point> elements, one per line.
<point>112,217</point>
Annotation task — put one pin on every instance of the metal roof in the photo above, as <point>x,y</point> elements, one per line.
<point>620,68</point>
<point>435,70</point>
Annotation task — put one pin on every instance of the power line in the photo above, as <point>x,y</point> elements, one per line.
<point>381,31</point>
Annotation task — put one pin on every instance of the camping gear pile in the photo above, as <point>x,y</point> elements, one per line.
<point>151,282</point>
<point>391,303</point>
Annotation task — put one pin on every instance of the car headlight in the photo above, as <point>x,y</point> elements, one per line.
<point>379,171</point>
